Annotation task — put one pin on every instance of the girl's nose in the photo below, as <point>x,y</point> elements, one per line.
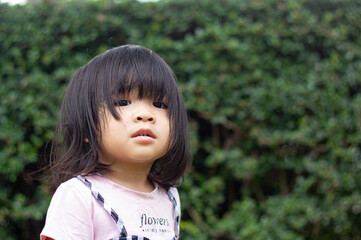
<point>144,117</point>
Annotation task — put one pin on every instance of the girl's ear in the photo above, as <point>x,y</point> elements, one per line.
<point>86,140</point>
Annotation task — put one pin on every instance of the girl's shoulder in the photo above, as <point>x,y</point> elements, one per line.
<point>72,212</point>
<point>72,191</point>
<point>76,189</point>
<point>72,185</point>
<point>174,191</point>
<point>75,183</point>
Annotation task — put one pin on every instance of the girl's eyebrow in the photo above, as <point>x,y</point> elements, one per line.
<point>164,99</point>
<point>120,94</point>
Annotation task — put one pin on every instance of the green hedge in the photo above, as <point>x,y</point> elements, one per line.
<point>273,91</point>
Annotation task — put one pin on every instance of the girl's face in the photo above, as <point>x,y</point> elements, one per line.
<point>141,136</point>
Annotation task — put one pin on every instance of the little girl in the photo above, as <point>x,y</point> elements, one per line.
<point>120,146</point>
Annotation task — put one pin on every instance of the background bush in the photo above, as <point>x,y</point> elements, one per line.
<point>273,92</point>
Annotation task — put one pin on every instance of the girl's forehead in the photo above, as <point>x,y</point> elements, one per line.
<point>144,85</point>
<point>134,93</point>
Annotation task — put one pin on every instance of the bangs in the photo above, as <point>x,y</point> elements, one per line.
<point>137,69</point>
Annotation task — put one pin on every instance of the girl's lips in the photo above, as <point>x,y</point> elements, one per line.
<point>143,133</point>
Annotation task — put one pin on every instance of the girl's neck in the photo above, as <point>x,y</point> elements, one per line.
<point>135,179</point>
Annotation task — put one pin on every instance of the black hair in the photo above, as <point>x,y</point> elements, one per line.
<point>92,89</point>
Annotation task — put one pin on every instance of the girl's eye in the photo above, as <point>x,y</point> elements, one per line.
<point>160,105</point>
<point>122,103</point>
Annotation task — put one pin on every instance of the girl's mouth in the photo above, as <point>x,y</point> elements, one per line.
<point>143,133</point>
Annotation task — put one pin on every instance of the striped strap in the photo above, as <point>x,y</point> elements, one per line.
<point>177,217</point>
<point>130,238</point>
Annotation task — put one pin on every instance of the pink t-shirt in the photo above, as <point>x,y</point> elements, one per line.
<point>74,213</point>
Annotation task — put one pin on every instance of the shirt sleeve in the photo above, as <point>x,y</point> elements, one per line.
<point>69,215</point>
